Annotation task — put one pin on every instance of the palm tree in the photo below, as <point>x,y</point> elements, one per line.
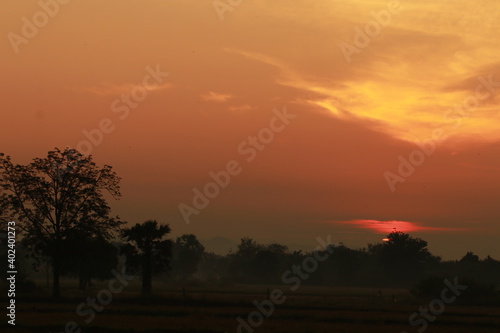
<point>146,250</point>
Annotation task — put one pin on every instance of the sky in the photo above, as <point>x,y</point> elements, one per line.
<point>348,118</point>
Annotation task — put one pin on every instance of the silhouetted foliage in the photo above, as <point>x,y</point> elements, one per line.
<point>147,251</point>
<point>58,197</point>
<point>469,258</point>
<point>404,258</point>
<point>403,261</point>
<point>187,253</point>
<point>257,263</point>
<point>478,292</point>
<point>430,287</point>
<point>89,258</point>
<point>214,268</point>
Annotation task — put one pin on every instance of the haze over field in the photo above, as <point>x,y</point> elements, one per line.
<point>430,74</point>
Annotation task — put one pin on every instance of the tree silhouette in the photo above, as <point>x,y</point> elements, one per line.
<point>3,250</point>
<point>89,258</point>
<point>470,258</point>
<point>146,250</point>
<point>243,266</point>
<point>187,254</point>
<point>269,262</point>
<point>404,257</point>
<point>343,265</point>
<point>56,197</point>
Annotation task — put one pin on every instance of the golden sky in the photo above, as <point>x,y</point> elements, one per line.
<point>424,68</point>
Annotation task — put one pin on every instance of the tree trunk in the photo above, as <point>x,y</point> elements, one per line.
<point>56,270</point>
<point>82,281</point>
<point>146,275</point>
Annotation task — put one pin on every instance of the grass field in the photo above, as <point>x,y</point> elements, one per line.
<point>215,309</point>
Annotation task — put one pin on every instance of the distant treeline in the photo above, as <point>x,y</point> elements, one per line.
<point>400,262</point>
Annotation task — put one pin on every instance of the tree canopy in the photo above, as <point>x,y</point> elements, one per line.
<point>147,251</point>
<point>58,197</point>
<point>187,253</point>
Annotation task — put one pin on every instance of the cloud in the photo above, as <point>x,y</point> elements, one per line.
<point>407,78</point>
<point>245,107</point>
<point>394,225</point>
<point>216,97</point>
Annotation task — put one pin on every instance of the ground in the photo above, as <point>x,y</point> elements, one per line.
<point>216,309</point>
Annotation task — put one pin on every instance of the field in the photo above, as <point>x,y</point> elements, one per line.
<point>216,309</point>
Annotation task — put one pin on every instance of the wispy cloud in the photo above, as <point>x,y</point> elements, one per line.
<point>245,107</point>
<point>216,97</point>
<point>260,57</point>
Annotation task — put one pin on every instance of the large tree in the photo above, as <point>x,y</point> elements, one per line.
<point>147,251</point>
<point>89,258</point>
<point>405,258</point>
<point>59,197</point>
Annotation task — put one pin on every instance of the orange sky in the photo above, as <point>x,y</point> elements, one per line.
<point>326,171</point>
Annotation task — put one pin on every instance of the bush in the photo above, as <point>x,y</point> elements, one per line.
<point>428,287</point>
